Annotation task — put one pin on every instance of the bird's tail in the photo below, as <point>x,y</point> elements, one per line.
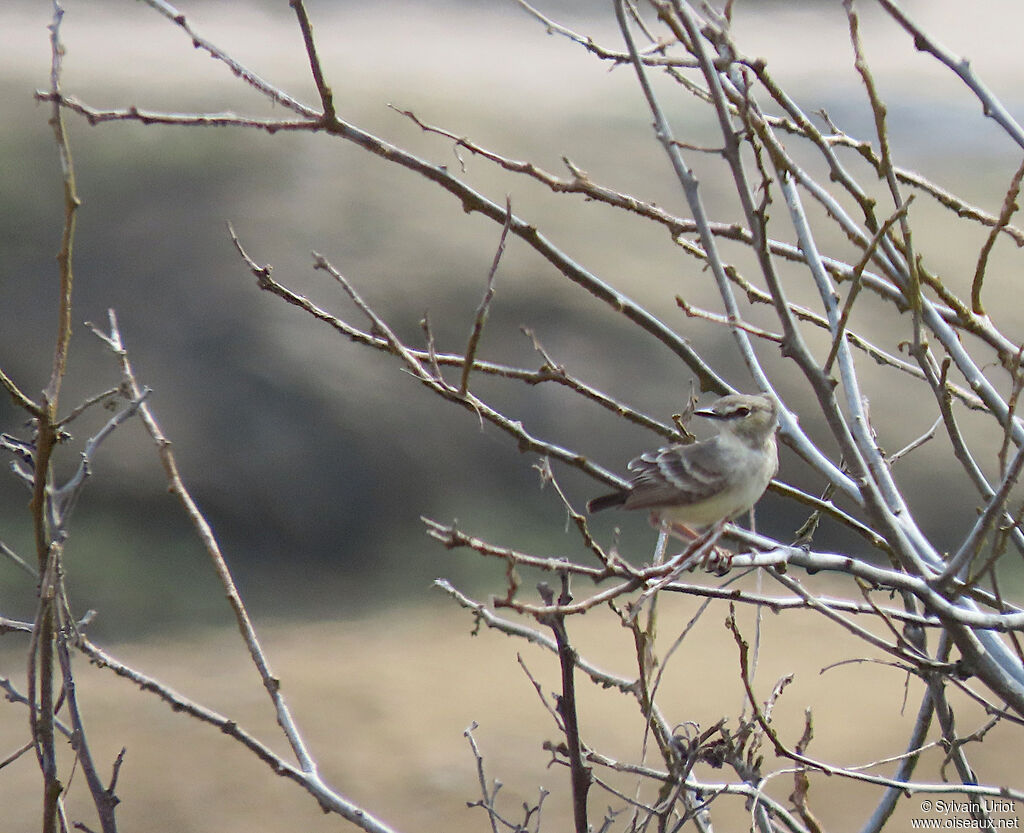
<point>607,501</point>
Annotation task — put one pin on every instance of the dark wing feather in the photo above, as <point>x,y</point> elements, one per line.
<point>607,501</point>
<point>678,475</point>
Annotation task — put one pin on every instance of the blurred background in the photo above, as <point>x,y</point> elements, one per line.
<point>314,458</point>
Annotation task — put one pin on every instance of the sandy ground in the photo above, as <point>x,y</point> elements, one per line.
<point>383,703</point>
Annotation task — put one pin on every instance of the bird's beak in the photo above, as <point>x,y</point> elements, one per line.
<point>709,414</point>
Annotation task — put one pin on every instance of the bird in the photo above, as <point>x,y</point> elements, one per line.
<point>706,483</point>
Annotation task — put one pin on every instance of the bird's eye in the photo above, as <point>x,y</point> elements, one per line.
<point>742,411</point>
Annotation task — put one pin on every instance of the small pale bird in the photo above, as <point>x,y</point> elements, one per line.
<point>711,481</point>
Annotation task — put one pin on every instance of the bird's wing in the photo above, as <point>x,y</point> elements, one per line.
<point>679,475</point>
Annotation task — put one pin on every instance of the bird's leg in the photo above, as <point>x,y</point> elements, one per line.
<point>689,558</point>
<point>662,545</point>
<point>680,531</point>
<point>716,559</point>
<point>721,562</point>
<point>751,525</point>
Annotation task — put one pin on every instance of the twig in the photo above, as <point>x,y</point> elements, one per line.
<point>485,304</point>
<point>328,799</point>
<point>180,703</point>
<point>205,532</point>
<point>428,334</point>
<point>841,272</point>
<point>471,200</point>
<point>578,519</point>
<point>1007,211</point>
<point>551,710</point>
<point>599,676</point>
<point>238,70</point>
<point>878,109</point>
<point>596,49</point>
<point>549,372</point>
<point>7,552</point>
<point>41,678</point>
<point>570,608</point>
<point>553,371</point>
<point>488,796</point>
<point>695,312</point>
<point>690,188</point>
<point>17,753</point>
<point>306,774</point>
<point>581,183</point>
<point>678,225</point>
<point>414,364</point>
<point>103,797</point>
<point>936,378</point>
<point>915,444</point>
<point>20,399</point>
<point>858,272</point>
<point>900,649</point>
<point>65,498</point>
<point>759,715</point>
<point>453,538</point>
<point>954,749</point>
<point>14,696</point>
<point>1012,401</point>
<point>972,543</point>
<point>326,96</point>
<point>97,116</point>
<point>104,397</point>
<point>71,203</point>
<point>991,106</point>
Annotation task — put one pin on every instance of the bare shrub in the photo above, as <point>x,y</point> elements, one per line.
<point>819,272</point>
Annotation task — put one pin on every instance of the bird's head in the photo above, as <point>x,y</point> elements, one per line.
<point>751,417</point>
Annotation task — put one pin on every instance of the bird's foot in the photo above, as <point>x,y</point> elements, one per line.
<point>718,561</point>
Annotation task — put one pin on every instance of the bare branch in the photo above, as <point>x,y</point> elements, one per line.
<point>329,800</point>
<point>1009,207</point>
<point>326,96</point>
<point>566,704</point>
<point>485,304</point>
<point>991,106</point>
<point>858,271</point>
<point>20,399</point>
<point>238,70</point>
<point>488,795</point>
